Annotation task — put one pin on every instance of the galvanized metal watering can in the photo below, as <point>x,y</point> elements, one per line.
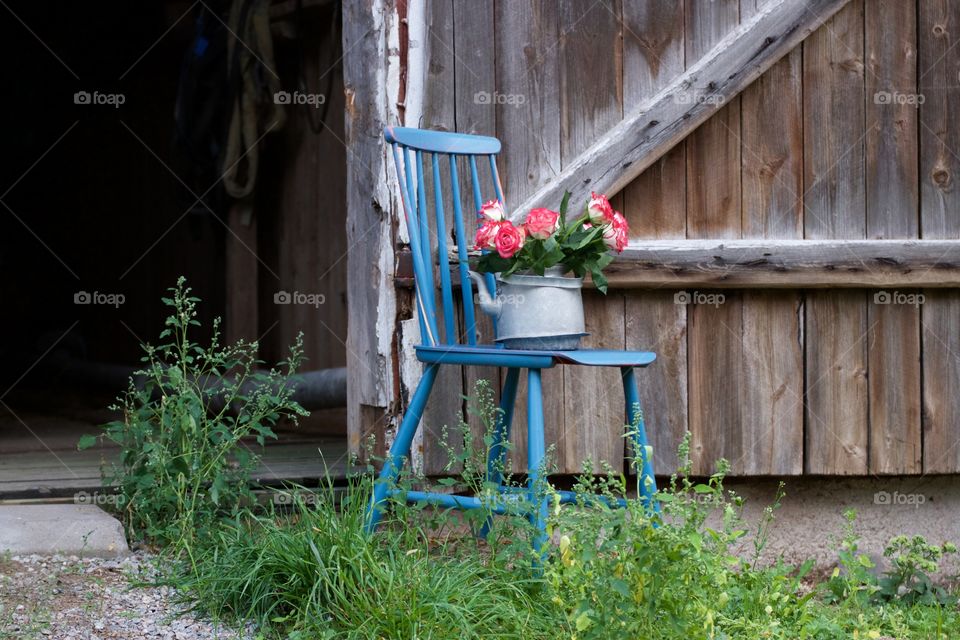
<point>535,312</point>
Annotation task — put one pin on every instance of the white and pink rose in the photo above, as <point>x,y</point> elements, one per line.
<point>486,235</point>
<point>599,209</point>
<point>509,239</point>
<point>492,210</point>
<point>541,223</point>
<point>617,232</point>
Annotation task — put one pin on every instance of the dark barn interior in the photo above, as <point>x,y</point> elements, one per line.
<point>118,117</point>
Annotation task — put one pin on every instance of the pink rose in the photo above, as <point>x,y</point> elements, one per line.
<point>486,234</point>
<point>492,210</point>
<point>509,239</point>
<point>599,209</point>
<point>541,223</point>
<point>617,233</point>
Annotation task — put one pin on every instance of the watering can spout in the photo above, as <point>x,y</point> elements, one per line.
<point>488,305</point>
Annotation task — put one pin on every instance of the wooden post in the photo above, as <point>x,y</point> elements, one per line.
<point>370,297</point>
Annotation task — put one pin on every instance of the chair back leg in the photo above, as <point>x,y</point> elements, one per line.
<point>536,452</point>
<point>400,450</point>
<point>642,461</point>
<point>497,456</point>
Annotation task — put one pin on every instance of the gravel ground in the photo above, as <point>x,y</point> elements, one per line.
<point>92,599</point>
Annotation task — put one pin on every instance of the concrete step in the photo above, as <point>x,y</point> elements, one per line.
<point>69,529</point>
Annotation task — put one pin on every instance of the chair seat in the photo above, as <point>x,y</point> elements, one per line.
<point>499,357</point>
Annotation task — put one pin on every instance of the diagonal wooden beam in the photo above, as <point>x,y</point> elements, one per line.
<point>666,118</point>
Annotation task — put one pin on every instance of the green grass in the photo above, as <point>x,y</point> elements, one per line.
<point>317,575</point>
<point>313,573</point>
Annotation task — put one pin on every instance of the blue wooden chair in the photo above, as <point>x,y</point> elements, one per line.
<point>418,153</point>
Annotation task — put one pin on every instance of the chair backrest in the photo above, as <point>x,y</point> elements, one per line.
<point>417,154</point>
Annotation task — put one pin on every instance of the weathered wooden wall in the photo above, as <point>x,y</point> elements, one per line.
<point>851,136</point>
<point>302,239</point>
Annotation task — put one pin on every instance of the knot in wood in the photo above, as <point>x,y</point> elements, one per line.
<point>941,177</point>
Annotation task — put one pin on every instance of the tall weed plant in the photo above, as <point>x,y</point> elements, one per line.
<point>184,462</point>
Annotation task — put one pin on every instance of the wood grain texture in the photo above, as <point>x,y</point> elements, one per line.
<point>527,71</point>
<point>892,212</point>
<point>368,218</point>
<point>715,332</point>
<point>836,322</point>
<point>593,397</point>
<point>822,196</point>
<point>657,125</point>
<point>938,32</point>
<point>653,54</point>
<point>655,207</point>
<point>440,112</point>
<point>527,53</point>
<point>772,207</point>
<point>475,74</point>
<point>941,379</point>
<point>591,55</point>
<point>301,186</point>
<point>655,322</point>
<point>772,413</point>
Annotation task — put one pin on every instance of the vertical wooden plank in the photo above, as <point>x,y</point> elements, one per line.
<point>836,322</point>
<point>439,108</point>
<point>939,63</point>
<point>655,207</point>
<point>528,124</point>
<point>475,76</point>
<point>591,95</point>
<point>440,112</point>
<point>713,211</point>
<point>593,397</point>
<point>300,169</point>
<point>653,54</point>
<point>772,207</point>
<point>892,212</point>
<point>772,412</point>
<point>655,322</point>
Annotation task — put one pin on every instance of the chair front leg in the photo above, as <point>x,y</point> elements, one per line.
<point>642,460</point>
<point>497,456</point>
<point>400,450</point>
<point>536,452</point>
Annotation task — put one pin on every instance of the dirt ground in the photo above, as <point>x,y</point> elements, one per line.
<point>69,598</point>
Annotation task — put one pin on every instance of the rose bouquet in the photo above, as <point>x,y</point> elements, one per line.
<point>546,239</point>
